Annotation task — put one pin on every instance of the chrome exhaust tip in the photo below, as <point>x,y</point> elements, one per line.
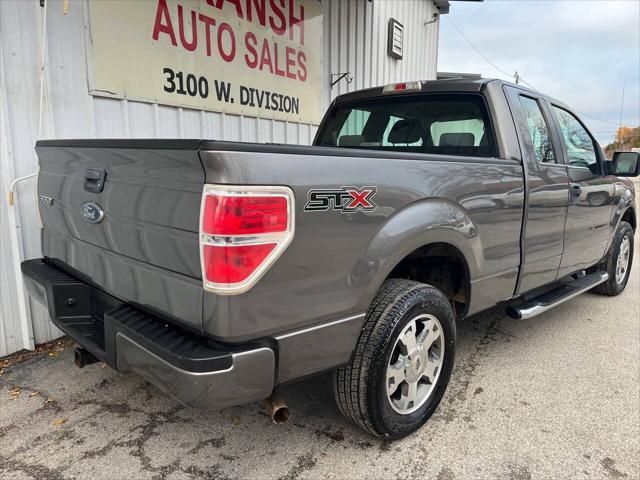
<point>277,409</point>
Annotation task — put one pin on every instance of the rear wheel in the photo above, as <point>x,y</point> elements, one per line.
<point>618,262</point>
<point>402,363</point>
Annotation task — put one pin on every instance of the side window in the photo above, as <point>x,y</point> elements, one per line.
<point>538,130</point>
<point>580,148</point>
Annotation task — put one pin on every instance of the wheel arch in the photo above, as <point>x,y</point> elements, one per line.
<point>432,228</point>
<point>441,265</point>
<point>629,216</point>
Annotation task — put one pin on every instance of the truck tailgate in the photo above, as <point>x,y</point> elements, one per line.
<point>142,243</point>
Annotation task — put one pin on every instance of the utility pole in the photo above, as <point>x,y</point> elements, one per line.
<point>516,77</point>
<point>620,141</point>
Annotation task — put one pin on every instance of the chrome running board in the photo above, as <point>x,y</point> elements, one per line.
<point>564,292</point>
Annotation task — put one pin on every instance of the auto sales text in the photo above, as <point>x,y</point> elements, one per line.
<point>195,31</point>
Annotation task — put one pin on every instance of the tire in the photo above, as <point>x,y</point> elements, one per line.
<point>400,307</point>
<point>616,282</point>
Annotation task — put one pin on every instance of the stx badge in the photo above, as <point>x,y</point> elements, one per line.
<point>346,200</point>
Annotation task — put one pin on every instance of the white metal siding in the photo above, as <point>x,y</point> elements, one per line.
<point>354,40</point>
<point>20,52</point>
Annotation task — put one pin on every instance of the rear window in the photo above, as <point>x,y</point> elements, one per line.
<point>427,123</point>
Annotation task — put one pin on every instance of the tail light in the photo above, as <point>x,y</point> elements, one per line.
<point>243,230</point>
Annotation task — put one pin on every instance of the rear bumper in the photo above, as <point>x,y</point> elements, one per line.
<point>191,369</point>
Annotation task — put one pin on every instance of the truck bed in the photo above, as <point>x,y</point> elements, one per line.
<point>145,250</point>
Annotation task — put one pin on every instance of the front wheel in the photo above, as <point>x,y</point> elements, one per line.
<point>402,363</point>
<point>618,262</point>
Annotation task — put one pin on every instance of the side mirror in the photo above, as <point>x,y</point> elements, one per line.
<point>626,164</point>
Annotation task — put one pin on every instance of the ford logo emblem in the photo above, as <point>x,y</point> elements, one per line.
<point>92,212</point>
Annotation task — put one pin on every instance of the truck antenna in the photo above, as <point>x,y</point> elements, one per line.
<point>620,123</point>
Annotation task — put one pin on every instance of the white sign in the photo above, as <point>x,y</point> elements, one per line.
<point>250,57</point>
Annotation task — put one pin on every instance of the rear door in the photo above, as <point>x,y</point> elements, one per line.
<point>587,228</point>
<point>547,192</point>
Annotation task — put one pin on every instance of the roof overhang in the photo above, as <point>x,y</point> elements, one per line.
<point>443,5</point>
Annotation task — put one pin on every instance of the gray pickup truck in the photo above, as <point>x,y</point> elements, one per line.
<point>219,270</point>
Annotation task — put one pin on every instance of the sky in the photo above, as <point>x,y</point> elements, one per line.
<point>581,52</point>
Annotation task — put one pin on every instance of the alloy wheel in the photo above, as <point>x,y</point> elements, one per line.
<point>415,364</point>
<point>622,264</point>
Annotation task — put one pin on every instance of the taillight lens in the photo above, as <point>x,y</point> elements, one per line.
<point>224,215</point>
<point>243,230</point>
<point>227,265</point>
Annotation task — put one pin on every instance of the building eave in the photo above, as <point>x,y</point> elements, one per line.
<point>442,5</point>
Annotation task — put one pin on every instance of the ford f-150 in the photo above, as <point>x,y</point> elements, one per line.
<point>220,270</point>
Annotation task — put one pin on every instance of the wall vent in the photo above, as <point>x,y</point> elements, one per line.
<point>395,42</point>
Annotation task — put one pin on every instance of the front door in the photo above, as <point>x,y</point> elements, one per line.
<point>547,192</point>
<point>591,200</point>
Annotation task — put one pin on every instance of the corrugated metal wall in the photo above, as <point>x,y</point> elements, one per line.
<point>354,40</point>
<point>20,52</point>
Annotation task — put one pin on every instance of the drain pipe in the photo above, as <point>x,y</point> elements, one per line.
<point>276,408</point>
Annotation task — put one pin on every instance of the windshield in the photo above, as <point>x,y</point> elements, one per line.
<point>426,123</point>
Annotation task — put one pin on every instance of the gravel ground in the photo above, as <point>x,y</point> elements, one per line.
<point>553,397</point>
